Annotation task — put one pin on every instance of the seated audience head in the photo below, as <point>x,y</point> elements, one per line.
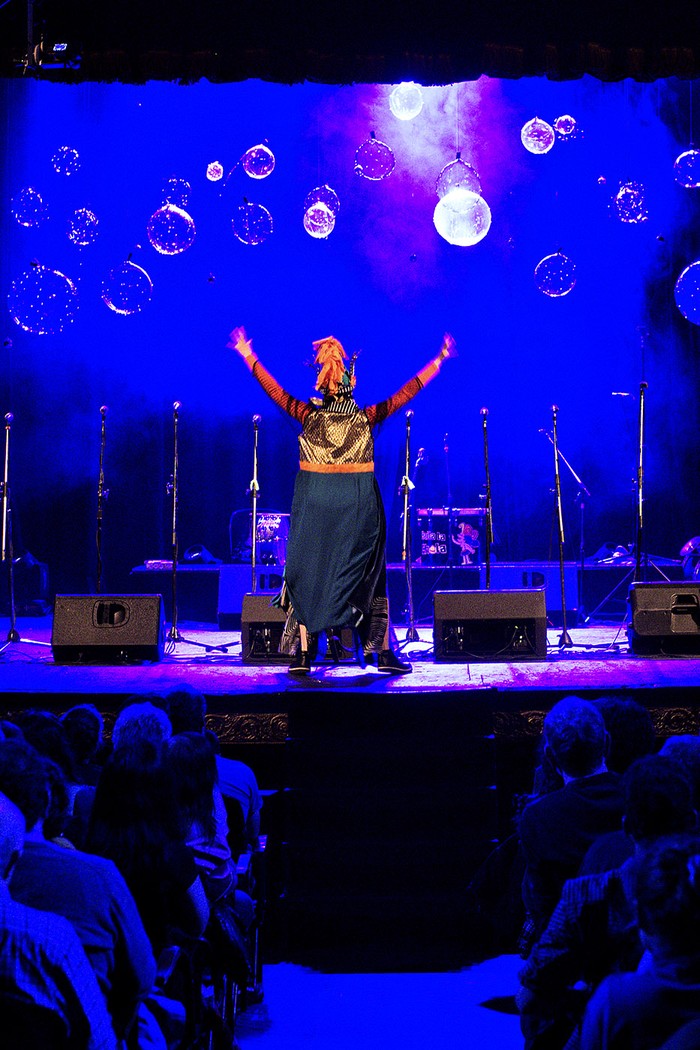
<point>658,800</point>
<point>141,721</point>
<point>84,726</point>
<point>11,836</point>
<point>186,708</point>
<point>575,738</point>
<point>684,750</point>
<point>193,765</point>
<point>630,728</point>
<point>45,732</point>
<point>24,779</point>
<point>668,896</point>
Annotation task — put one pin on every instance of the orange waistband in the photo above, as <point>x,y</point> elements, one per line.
<point>337,468</point>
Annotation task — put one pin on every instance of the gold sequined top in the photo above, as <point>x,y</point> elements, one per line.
<point>336,436</point>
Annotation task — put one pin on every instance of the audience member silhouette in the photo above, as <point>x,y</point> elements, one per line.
<point>641,1010</point>
<point>86,890</point>
<point>237,782</point>
<point>557,828</point>
<point>42,963</point>
<point>593,930</point>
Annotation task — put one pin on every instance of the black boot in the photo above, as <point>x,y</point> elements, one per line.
<point>389,663</point>
<point>300,662</point>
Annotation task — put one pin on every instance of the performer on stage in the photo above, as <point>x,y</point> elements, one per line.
<point>335,573</point>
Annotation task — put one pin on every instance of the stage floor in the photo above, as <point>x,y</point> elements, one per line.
<point>211,660</point>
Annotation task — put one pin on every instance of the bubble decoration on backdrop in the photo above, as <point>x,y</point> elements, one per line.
<point>251,223</point>
<point>258,162</point>
<point>326,195</point>
<point>42,301</point>
<point>566,127</point>
<point>66,161</point>
<point>457,175</point>
<point>406,100</point>
<point>687,293</point>
<point>83,227</point>
<point>555,275</point>
<point>537,136</point>
<point>29,207</point>
<point>127,289</point>
<point>628,203</point>
<point>319,220</point>
<point>176,191</point>
<point>462,217</point>
<point>374,160</point>
<point>171,230</point>
<point>215,171</point>
<point>686,169</point>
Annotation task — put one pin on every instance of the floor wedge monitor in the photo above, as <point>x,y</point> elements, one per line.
<point>665,618</point>
<point>490,625</point>
<point>107,628</point>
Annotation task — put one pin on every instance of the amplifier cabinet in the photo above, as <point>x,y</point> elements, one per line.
<point>490,625</point>
<point>665,618</point>
<point>107,628</point>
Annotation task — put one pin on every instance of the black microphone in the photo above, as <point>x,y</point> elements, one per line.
<point>483,411</point>
<point>257,420</point>
<point>409,415</point>
<point>420,458</point>
<point>177,405</point>
<point>8,418</point>
<point>104,410</point>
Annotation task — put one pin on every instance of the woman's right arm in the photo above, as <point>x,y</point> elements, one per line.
<point>243,346</point>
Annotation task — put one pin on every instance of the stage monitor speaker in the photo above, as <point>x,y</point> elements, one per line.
<point>490,625</point>
<point>107,628</point>
<point>665,618</point>
<point>262,626</point>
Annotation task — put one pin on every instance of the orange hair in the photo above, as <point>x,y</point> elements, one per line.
<point>330,358</point>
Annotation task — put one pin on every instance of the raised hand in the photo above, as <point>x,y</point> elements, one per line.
<point>449,347</point>
<point>239,342</point>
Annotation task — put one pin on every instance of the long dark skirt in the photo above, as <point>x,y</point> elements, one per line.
<point>336,567</point>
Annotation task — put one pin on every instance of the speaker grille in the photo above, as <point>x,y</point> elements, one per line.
<point>107,628</point>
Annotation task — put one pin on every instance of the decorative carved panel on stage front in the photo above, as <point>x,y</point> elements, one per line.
<point>265,727</point>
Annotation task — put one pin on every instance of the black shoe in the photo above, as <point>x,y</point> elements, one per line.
<point>300,663</point>
<point>389,663</point>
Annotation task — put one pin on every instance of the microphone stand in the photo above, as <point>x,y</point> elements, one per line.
<point>564,639</point>
<point>102,494</point>
<point>580,499</point>
<point>174,634</point>
<point>254,492</point>
<point>488,508</point>
<point>13,634</point>
<point>406,555</point>
<point>638,574</point>
<point>450,559</point>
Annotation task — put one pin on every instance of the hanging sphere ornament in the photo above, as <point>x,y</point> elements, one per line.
<point>127,289</point>
<point>374,160</point>
<point>324,195</point>
<point>83,227</point>
<point>462,217</point>
<point>258,162</point>
<point>319,220</point>
<point>171,230</point>
<point>555,275</point>
<point>251,223</point>
<point>29,208</point>
<point>565,127</point>
<point>215,171</point>
<point>686,169</point>
<point>42,301</point>
<point>457,175</point>
<point>406,100</point>
<point>687,293</point>
<point>537,136</point>
<point>628,203</point>
<point>66,161</point>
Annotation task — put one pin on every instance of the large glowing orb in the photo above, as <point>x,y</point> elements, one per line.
<point>462,217</point>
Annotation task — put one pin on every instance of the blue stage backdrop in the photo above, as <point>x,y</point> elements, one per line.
<point>383,281</point>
